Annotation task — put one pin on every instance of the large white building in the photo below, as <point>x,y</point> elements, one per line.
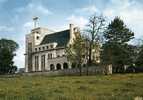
<point>45,49</point>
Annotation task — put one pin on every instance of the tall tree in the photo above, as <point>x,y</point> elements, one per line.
<point>116,50</point>
<point>7,52</point>
<point>94,29</point>
<point>76,51</point>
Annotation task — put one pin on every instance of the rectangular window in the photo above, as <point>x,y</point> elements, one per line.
<point>47,47</point>
<point>50,56</point>
<point>29,56</point>
<point>43,62</point>
<point>43,48</point>
<point>39,49</point>
<point>51,46</point>
<point>36,63</point>
<point>35,49</point>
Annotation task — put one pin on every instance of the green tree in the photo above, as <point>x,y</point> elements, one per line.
<point>116,50</point>
<point>93,30</point>
<point>7,52</point>
<point>76,51</point>
<point>139,60</point>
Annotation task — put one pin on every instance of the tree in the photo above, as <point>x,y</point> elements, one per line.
<point>76,51</point>
<point>7,52</point>
<point>139,60</point>
<point>116,50</point>
<point>94,29</point>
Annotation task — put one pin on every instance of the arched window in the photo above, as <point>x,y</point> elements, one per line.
<point>58,66</point>
<point>73,65</point>
<point>65,66</point>
<point>52,67</point>
<point>84,65</point>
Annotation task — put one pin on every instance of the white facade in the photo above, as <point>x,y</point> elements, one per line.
<point>47,56</point>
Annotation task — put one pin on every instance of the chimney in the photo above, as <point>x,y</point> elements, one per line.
<point>71,26</point>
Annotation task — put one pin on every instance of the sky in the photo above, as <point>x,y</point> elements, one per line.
<point>16,17</point>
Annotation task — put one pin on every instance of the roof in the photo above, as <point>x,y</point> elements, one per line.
<point>61,38</point>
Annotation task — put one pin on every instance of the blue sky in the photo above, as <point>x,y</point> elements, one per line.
<point>16,16</point>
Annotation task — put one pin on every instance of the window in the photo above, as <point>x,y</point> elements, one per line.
<point>39,49</point>
<point>29,47</point>
<point>65,66</point>
<point>73,65</point>
<point>35,49</point>
<point>47,47</point>
<point>50,56</point>
<point>51,46</point>
<point>43,48</point>
<point>29,57</point>
<point>43,62</point>
<point>52,67</point>
<point>58,66</point>
<point>36,63</point>
<point>37,37</point>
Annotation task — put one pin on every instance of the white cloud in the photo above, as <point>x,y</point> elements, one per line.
<point>88,10</point>
<point>130,11</point>
<point>77,20</point>
<point>44,10</point>
<point>33,8</point>
<point>28,25</point>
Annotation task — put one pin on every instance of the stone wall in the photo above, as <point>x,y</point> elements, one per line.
<point>75,71</point>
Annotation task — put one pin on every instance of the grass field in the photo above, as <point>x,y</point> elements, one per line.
<point>114,87</point>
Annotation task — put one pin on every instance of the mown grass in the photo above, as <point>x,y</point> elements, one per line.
<point>112,87</point>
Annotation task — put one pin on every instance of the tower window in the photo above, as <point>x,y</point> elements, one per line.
<point>37,37</point>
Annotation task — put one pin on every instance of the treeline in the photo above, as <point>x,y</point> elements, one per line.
<point>106,44</point>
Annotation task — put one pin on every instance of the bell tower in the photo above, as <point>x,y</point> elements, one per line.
<point>33,39</point>
<point>35,20</point>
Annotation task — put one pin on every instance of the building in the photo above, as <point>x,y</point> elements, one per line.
<point>45,49</point>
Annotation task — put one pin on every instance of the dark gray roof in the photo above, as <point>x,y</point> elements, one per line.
<point>62,38</point>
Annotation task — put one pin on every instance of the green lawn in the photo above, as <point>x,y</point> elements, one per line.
<point>112,87</point>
